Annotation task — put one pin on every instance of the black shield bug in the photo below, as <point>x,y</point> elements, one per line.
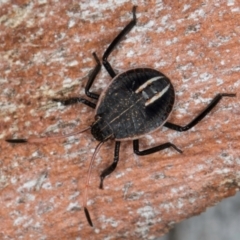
<point>136,102</point>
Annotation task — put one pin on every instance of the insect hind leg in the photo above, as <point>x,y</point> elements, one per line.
<point>153,149</point>
<point>200,116</point>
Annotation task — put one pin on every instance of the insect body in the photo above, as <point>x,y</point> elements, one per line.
<point>136,102</point>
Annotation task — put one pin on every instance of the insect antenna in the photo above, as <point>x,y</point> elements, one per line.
<point>43,139</point>
<point>87,184</point>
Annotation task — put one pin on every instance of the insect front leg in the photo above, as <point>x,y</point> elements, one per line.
<point>92,77</point>
<point>115,42</point>
<point>112,167</point>
<point>73,100</point>
<point>200,116</point>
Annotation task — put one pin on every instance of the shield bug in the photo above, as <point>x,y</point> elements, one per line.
<point>136,102</point>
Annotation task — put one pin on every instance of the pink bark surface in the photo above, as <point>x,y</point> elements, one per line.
<point>46,51</point>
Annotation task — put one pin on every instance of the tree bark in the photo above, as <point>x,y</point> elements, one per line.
<point>46,52</point>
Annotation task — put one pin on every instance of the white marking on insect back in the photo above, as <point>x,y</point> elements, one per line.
<point>157,96</point>
<point>150,81</point>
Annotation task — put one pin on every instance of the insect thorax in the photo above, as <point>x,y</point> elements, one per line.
<point>100,130</point>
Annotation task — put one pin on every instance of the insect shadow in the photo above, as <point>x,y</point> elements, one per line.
<point>135,103</point>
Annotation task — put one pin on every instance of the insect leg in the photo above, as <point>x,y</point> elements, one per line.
<point>198,118</point>
<point>115,42</point>
<point>153,149</point>
<point>73,100</point>
<point>112,167</point>
<point>92,78</point>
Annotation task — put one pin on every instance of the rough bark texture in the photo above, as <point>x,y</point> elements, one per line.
<point>46,51</point>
